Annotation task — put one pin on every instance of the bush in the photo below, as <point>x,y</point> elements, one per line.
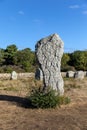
<point>10,68</point>
<point>39,99</point>
<point>67,68</point>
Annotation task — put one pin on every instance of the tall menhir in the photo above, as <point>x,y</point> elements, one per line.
<point>49,52</point>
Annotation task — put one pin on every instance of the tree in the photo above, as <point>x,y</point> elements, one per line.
<point>26,59</point>
<point>65,60</point>
<point>1,56</point>
<point>79,60</point>
<point>10,53</point>
<point>65,63</point>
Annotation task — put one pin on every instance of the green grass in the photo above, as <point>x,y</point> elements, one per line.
<point>39,99</point>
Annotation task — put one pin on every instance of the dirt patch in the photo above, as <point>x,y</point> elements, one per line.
<point>14,116</point>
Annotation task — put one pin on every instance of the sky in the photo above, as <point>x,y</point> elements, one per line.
<point>24,22</point>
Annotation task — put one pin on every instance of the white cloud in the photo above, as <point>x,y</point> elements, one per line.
<point>74,6</point>
<point>84,12</point>
<point>21,12</point>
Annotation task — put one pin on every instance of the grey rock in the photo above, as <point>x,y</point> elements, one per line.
<point>70,74</point>
<point>49,52</point>
<point>39,74</point>
<point>79,75</point>
<point>85,73</point>
<point>14,75</point>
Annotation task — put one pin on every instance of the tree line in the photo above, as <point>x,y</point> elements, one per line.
<point>19,60</point>
<point>25,61</point>
<point>74,61</point>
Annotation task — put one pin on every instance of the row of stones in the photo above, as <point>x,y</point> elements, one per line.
<point>78,74</point>
<point>70,74</point>
<point>39,75</point>
<point>15,76</point>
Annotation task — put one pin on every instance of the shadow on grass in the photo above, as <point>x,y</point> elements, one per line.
<point>20,101</point>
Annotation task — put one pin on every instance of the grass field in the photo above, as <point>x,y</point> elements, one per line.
<point>15,116</point>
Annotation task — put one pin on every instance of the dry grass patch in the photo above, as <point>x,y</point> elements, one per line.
<point>23,86</point>
<point>15,117</point>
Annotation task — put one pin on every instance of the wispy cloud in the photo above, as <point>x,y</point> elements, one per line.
<point>85,12</point>
<point>83,8</point>
<point>74,6</point>
<point>21,12</point>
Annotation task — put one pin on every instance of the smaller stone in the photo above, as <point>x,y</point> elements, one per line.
<point>79,75</point>
<point>70,74</point>
<point>14,75</point>
<point>39,74</point>
<point>85,73</point>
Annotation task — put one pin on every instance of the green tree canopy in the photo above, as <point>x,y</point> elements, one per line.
<point>1,56</point>
<point>65,63</point>
<point>65,59</point>
<point>26,59</point>
<point>79,60</point>
<point>10,53</point>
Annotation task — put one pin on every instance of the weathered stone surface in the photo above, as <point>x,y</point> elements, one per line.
<point>70,74</point>
<point>49,52</point>
<point>79,75</point>
<point>13,75</point>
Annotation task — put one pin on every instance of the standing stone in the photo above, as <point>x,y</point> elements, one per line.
<point>85,73</point>
<point>14,75</point>
<point>70,74</point>
<point>39,74</point>
<point>79,75</point>
<point>49,52</point>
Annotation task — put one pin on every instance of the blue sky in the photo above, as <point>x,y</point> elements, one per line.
<point>24,22</point>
